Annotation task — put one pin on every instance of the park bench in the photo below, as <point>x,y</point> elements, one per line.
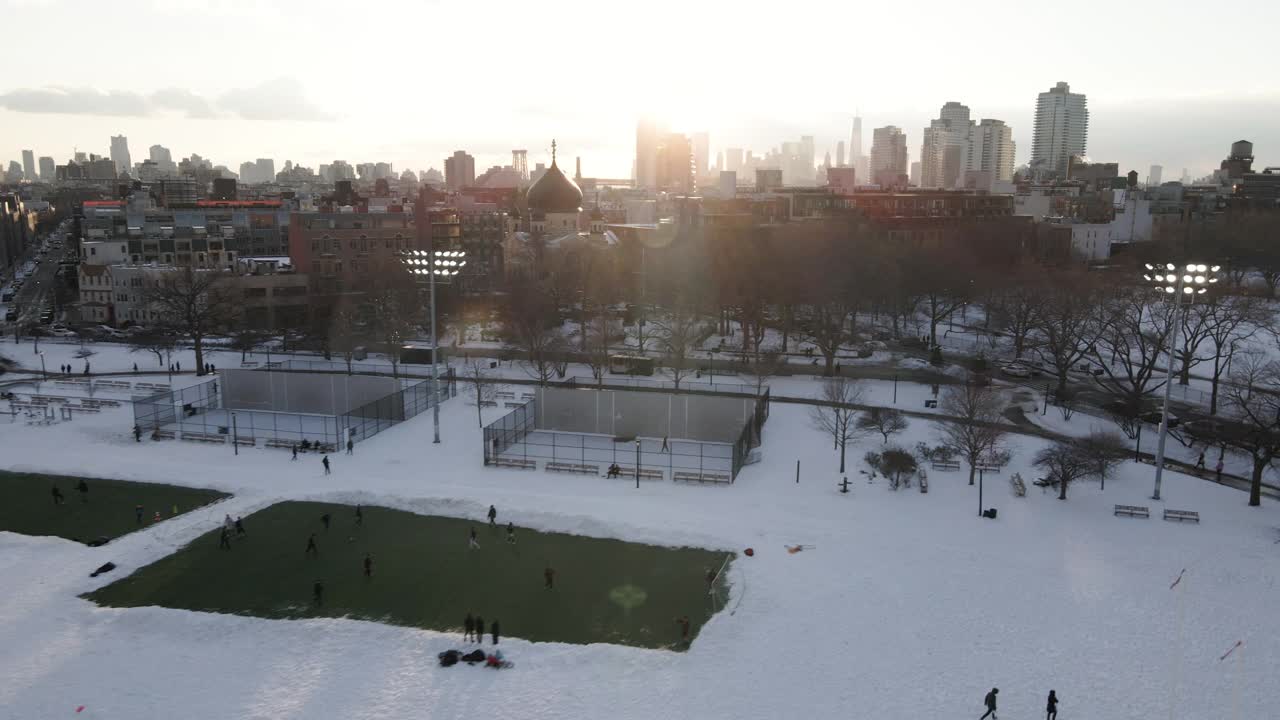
<point>81,408</point>
<point>246,441</point>
<point>931,403</point>
<point>517,463</point>
<point>280,443</point>
<point>248,364</point>
<point>646,473</point>
<point>163,435</point>
<point>114,384</point>
<point>204,438</point>
<point>488,403</point>
<point>945,465</point>
<point>526,395</point>
<point>1133,511</point>
<point>512,403</point>
<point>1181,515</point>
<point>986,467</point>
<point>572,468</point>
<point>505,395</point>
<point>103,403</point>
<point>701,477</point>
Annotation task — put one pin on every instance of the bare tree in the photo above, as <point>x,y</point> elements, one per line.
<point>601,330</point>
<point>533,327</point>
<point>836,416</point>
<point>393,320</point>
<point>1231,319</point>
<point>1068,326</point>
<point>678,336</point>
<point>885,421</point>
<point>823,326</point>
<point>1018,310</point>
<point>245,338</point>
<point>1131,346</point>
<point>157,340</point>
<point>343,334</point>
<point>972,428</point>
<point>764,365</point>
<point>1067,461</point>
<point>198,303</point>
<point>479,386</point>
<point>1254,394</point>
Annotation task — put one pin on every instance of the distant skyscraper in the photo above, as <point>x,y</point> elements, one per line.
<point>1061,130</point>
<point>48,169</point>
<point>120,154</point>
<point>915,173</point>
<point>840,154</point>
<point>993,150</point>
<point>702,153</point>
<point>459,170</point>
<point>733,159</point>
<point>946,148</point>
<point>855,140</point>
<point>889,156</point>
<point>1155,175</point>
<point>29,165</point>
<point>520,162</point>
<point>649,136</point>
<point>266,170</point>
<point>163,159</point>
<point>676,164</point>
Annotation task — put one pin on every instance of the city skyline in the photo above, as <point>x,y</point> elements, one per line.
<point>232,111</point>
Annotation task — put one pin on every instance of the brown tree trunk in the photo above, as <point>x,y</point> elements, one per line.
<point>1255,486</point>
<point>972,471</point>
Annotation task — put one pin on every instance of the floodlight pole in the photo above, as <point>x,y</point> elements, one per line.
<point>637,463</point>
<point>435,342</point>
<point>1168,381</point>
<point>235,433</point>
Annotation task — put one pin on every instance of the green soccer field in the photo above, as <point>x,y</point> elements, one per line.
<point>107,510</point>
<point>425,575</point>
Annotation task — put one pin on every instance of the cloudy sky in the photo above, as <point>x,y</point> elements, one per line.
<point>1170,83</point>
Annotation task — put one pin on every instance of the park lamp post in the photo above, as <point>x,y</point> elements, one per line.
<point>637,463</point>
<point>1180,289</point>
<point>445,263</point>
<point>44,373</point>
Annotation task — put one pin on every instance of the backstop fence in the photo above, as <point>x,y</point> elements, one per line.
<point>662,434</point>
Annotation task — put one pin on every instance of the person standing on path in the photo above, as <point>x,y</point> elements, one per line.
<point>240,527</point>
<point>479,636</point>
<point>295,451</point>
<point>493,516</point>
<point>511,534</point>
<point>990,701</point>
<point>224,540</point>
<point>137,434</point>
<point>227,523</point>
<point>1218,469</point>
<point>1051,710</point>
<point>350,447</point>
<point>493,630</point>
<point>1200,462</point>
<point>317,593</point>
<point>57,496</point>
<point>137,514</point>
<point>368,565</point>
<point>549,578</point>
<point>325,461</point>
<point>359,515</point>
<point>468,628</point>
<point>83,487</point>
<point>324,520</point>
<point>311,546</point>
<point>472,542</point>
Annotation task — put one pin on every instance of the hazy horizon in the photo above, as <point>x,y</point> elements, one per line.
<point>444,77</point>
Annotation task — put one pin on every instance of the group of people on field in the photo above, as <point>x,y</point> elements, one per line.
<point>1051,705</point>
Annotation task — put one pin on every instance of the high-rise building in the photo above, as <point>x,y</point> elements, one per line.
<point>676,164</point>
<point>1061,130</point>
<point>48,169</point>
<point>733,159</point>
<point>993,150</point>
<point>840,154</point>
<point>520,161</point>
<point>889,156</point>
<point>855,140</point>
<point>459,170</point>
<point>1155,176</point>
<point>649,136</point>
<point>946,150</point>
<point>702,153</point>
<point>120,154</point>
<point>266,168</point>
<point>914,177</point>
<point>29,165</point>
<point>163,159</point>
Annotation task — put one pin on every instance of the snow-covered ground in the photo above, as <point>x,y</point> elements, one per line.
<point>906,602</point>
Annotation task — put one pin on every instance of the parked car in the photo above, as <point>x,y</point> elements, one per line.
<point>62,332</point>
<point>1016,370</point>
<point>1153,417</point>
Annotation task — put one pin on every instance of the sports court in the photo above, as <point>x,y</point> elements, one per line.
<point>426,575</point>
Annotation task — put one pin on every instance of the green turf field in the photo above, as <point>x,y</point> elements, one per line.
<point>424,575</point>
<point>107,510</point>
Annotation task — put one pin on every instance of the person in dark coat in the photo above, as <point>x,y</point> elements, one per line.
<point>683,622</point>
<point>224,540</point>
<point>137,434</point>
<point>311,546</point>
<point>57,496</point>
<point>494,630</point>
<point>549,576</point>
<point>325,461</point>
<point>511,533</point>
<point>83,487</point>
<point>295,453</point>
<point>240,527</point>
<point>368,565</point>
<point>990,700</point>
<point>350,447</point>
<point>472,542</point>
<point>479,629</point>
<point>137,514</point>
<point>468,628</point>
<point>359,515</point>
<point>1200,462</point>
<point>493,516</point>
<point>324,520</point>
<point>317,593</point>
<point>1051,710</point>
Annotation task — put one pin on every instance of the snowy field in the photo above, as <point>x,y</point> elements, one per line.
<point>906,602</point>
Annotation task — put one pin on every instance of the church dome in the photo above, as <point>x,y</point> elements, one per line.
<point>554,193</point>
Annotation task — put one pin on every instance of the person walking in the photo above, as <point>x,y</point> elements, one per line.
<point>665,448</point>
<point>493,516</point>
<point>990,701</point>
<point>1051,710</point>
<point>311,546</point>
<point>137,514</point>
<point>227,523</point>
<point>493,631</point>
<point>224,540</point>
<point>137,434</point>
<point>511,534</point>
<point>350,446</point>
<point>468,628</point>
<point>549,578</point>
<point>57,496</point>
<point>324,520</point>
<point>295,451</point>
<point>1218,470</point>
<point>325,461</point>
<point>368,565</point>
<point>359,515</point>
<point>317,593</point>
<point>1200,462</point>
<point>472,542</point>
<point>135,367</point>
<point>683,622</point>
<point>479,635</point>
<point>240,527</point>
<point>83,487</point>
